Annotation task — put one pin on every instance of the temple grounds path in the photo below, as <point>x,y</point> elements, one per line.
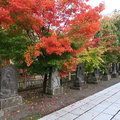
<point>104,105</point>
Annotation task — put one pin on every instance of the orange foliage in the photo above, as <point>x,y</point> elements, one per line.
<point>87,22</point>
<point>34,14</point>
<point>69,65</point>
<point>52,45</point>
<point>92,43</point>
<point>70,18</point>
<point>30,55</point>
<point>5,19</point>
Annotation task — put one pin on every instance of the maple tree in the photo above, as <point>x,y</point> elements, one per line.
<point>80,23</point>
<point>41,15</point>
<point>58,30</point>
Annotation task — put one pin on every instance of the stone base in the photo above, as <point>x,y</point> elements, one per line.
<point>76,88</point>
<point>79,86</point>
<point>54,91</point>
<point>115,75</point>
<point>93,80</point>
<point>10,103</point>
<point>106,77</point>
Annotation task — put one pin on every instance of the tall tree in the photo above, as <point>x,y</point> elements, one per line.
<point>77,22</point>
<point>109,40</point>
<point>58,29</point>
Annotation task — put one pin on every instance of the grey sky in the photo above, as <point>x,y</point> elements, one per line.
<point>110,5</point>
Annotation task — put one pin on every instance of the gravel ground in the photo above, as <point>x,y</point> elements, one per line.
<point>37,104</point>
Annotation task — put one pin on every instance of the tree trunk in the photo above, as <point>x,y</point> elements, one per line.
<point>45,83</point>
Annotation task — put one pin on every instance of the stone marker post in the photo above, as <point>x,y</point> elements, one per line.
<point>53,86</point>
<point>79,82</point>
<point>114,70</point>
<point>94,77</point>
<point>118,70</point>
<point>106,74</point>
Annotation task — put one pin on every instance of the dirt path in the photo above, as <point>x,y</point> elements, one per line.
<point>37,105</point>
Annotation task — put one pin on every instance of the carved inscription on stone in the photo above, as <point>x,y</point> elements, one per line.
<point>8,81</point>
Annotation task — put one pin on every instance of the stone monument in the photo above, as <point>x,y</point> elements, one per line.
<point>79,81</point>
<point>94,77</point>
<point>8,88</point>
<point>106,75</point>
<point>53,85</point>
<point>114,70</point>
<point>118,68</point>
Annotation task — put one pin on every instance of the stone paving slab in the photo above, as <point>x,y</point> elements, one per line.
<point>104,105</point>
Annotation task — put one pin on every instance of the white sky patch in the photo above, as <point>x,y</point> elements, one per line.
<point>110,5</point>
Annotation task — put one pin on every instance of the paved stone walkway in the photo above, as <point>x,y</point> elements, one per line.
<point>104,105</point>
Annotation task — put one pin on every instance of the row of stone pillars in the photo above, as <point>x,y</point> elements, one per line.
<point>9,97</point>
<point>112,72</point>
<point>54,87</point>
